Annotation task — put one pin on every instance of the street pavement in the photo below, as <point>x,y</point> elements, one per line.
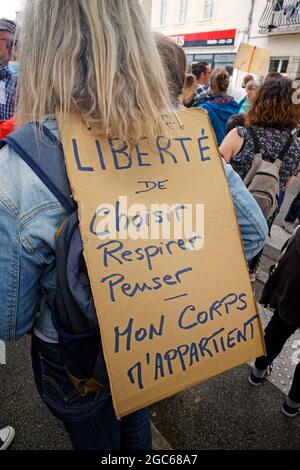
<point>225,412</point>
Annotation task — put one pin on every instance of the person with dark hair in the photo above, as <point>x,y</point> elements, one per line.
<point>229,69</point>
<point>282,294</point>
<point>7,80</point>
<point>271,119</point>
<point>234,121</point>
<point>273,116</point>
<point>219,105</point>
<point>272,76</point>
<point>292,217</point>
<point>202,72</point>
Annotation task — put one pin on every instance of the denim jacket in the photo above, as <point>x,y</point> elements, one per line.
<point>29,218</point>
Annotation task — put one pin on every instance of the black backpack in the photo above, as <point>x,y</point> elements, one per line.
<point>73,312</point>
<point>270,295</point>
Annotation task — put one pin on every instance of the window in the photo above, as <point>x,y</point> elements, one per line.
<point>208,9</point>
<point>279,65</point>
<point>189,58</point>
<point>204,58</point>
<point>284,66</point>
<point>220,60</point>
<point>215,60</point>
<point>182,11</point>
<point>274,65</point>
<point>163,12</point>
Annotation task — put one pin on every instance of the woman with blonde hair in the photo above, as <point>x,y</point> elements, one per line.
<point>189,90</point>
<point>96,57</point>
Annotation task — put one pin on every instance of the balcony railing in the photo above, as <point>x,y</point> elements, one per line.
<point>280,15</point>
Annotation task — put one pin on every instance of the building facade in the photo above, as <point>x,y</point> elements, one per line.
<point>276,26</point>
<point>208,30</point>
<point>212,30</point>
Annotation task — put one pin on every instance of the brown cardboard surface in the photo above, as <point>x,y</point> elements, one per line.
<point>260,61</point>
<point>252,59</point>
<point>197,317</point>
<point>244,57</point>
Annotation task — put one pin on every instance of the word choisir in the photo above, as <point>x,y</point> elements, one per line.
<point>167,151</point>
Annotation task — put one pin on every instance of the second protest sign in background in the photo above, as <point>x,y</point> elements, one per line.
<point>170,315</point>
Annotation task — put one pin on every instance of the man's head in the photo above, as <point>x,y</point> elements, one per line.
<point>229,69</point>
<point>202,72</point>
<point>7,32</point>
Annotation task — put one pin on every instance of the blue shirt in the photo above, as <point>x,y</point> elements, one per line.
<point>244,105</point>
<point>220,108</point>
<point>29,218</point>
<point>7,93</point>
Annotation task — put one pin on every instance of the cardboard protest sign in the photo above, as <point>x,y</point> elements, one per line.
<point>252,59</point>
<point>244,57</point>
<point>260,61</point>
<point>174,308</point>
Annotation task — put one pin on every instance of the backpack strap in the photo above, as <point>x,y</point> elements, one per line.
<point>42,151</point>
<point>255,140</point>
<point>286,148</point>
<point>283,152</point>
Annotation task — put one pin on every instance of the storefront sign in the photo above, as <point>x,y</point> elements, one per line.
<point>207,39</point>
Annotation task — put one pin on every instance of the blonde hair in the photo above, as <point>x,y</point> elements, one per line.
<point>189,88</point>
<point>93,56</point>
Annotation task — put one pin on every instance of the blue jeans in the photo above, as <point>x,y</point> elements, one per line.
<point>90,421</point>
<point>254,263</point>
<point>294,210</point>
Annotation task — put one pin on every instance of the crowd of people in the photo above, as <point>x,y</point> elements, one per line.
<point>104,62</point>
